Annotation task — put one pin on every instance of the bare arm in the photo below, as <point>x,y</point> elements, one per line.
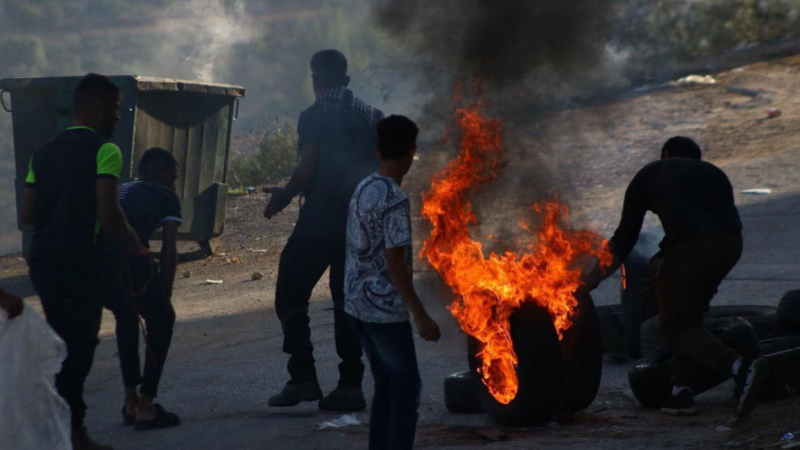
<point>169,254</point>
<point>303,174</point>
<point>111,217</point>
<point>398,272</point>
<point>27,212</point>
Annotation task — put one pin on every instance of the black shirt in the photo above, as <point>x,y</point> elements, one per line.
<point>64,173</point>
<point>343,129</point>
<point>690,197</point>
<point>148,206</point>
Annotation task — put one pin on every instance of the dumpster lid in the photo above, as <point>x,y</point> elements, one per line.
<point>127,81</point>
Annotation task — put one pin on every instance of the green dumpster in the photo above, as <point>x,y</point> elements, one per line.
<point>193,120</point>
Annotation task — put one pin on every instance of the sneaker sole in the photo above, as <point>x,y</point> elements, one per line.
<point>309,398</point>
<point>750,396</point>
<point>683,412</point>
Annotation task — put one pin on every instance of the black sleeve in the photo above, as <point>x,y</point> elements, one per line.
<point>170,208</point>
<point>633,212</point>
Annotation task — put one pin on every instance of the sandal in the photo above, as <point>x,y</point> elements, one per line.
<point>163,419</point>
<point>126,419</point>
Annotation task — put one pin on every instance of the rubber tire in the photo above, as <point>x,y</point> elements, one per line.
<point>582,350</point>
<point>768,327</point>
<point>651,379</point>
<point>461,393</point>
<point>783,380</point>
<point>789,311</point>
<point>651,337</point>
<point>611,330</point>
<point>636,271</point>
<point>540,370</point>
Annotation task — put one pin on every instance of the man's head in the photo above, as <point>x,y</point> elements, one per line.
<point>159,166</point>
<point>681,147</point>
<point>397,141</point>
<point>328,70</point>
<point>97,104</point>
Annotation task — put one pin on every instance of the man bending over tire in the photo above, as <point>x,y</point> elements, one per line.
<point>702,243</point>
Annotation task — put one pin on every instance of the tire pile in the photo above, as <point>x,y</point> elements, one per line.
<point>632,328</point>
<point>555,377</point>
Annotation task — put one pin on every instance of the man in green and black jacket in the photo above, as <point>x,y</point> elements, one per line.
<point>71,194</point>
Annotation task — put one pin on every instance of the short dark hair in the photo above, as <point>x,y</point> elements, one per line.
<point>682,147</point>
<point>154,160</point>
<point>397,135</point>
<point>91,88</point>
<point>329,67</point>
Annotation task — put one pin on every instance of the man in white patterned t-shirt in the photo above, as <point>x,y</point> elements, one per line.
<point>378,287</point>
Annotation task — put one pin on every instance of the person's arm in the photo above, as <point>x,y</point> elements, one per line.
<point>397,238</point>
<point>169,254</point>
<point>304,172</point>
<point>621,244</point>
<point>109,213</point>
<point>27,214</point>
<point>11,304</point>
<point>401,278</point>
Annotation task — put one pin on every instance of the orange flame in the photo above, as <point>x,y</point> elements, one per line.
<point>489,289</point>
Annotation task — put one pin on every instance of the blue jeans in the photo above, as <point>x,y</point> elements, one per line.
<point>393,360</point>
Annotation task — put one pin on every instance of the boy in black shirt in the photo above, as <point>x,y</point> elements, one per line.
<point>138,287</point>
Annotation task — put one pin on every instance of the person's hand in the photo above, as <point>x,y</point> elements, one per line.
<point>278,201</point>
<point>11,304</point>
<point>427,328</point>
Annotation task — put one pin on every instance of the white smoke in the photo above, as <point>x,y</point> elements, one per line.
<point>200,35</point>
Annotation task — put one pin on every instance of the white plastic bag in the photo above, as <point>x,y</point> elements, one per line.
<point>32,414</point>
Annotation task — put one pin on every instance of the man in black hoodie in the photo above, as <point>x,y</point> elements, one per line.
<point>702,243</point>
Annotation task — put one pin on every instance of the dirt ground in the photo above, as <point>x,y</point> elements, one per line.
<point>226,357</point>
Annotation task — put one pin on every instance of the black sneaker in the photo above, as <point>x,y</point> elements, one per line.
<point>293,394</point>
<point>749,379</point>
<point>82,441</point>
<point>344,399</point>
<point>680,405</point>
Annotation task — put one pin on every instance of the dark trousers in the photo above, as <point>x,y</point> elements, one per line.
<point>302,264</point>
<point>154,307</point>
<point>71,295</point>
<point>393,360</point>
<point>685,284</point>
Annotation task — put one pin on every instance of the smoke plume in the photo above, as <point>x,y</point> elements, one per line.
<point>200,35</point>
<point>534,48</point>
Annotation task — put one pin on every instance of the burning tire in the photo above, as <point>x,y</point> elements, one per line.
<point>611,329</point>
<point>462,393</point>
<point>652,339</point>
<point>540,370</point>
<point>651,378</point>
<point>582,349</point>
<point>789,311</point>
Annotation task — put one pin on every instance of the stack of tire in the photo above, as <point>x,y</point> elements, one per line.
<point>555,377</point>
<point>763,331</point>
<point>621,324</point>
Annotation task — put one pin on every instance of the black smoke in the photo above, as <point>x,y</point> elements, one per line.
<point>507,44</point>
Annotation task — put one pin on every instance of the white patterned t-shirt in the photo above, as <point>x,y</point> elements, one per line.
<point>379,218</point>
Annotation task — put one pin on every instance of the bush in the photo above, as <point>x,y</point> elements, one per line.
<point>681,29</point>
<point>263,156</point>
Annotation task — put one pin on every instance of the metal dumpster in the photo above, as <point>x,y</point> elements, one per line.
<point>192,120</point>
